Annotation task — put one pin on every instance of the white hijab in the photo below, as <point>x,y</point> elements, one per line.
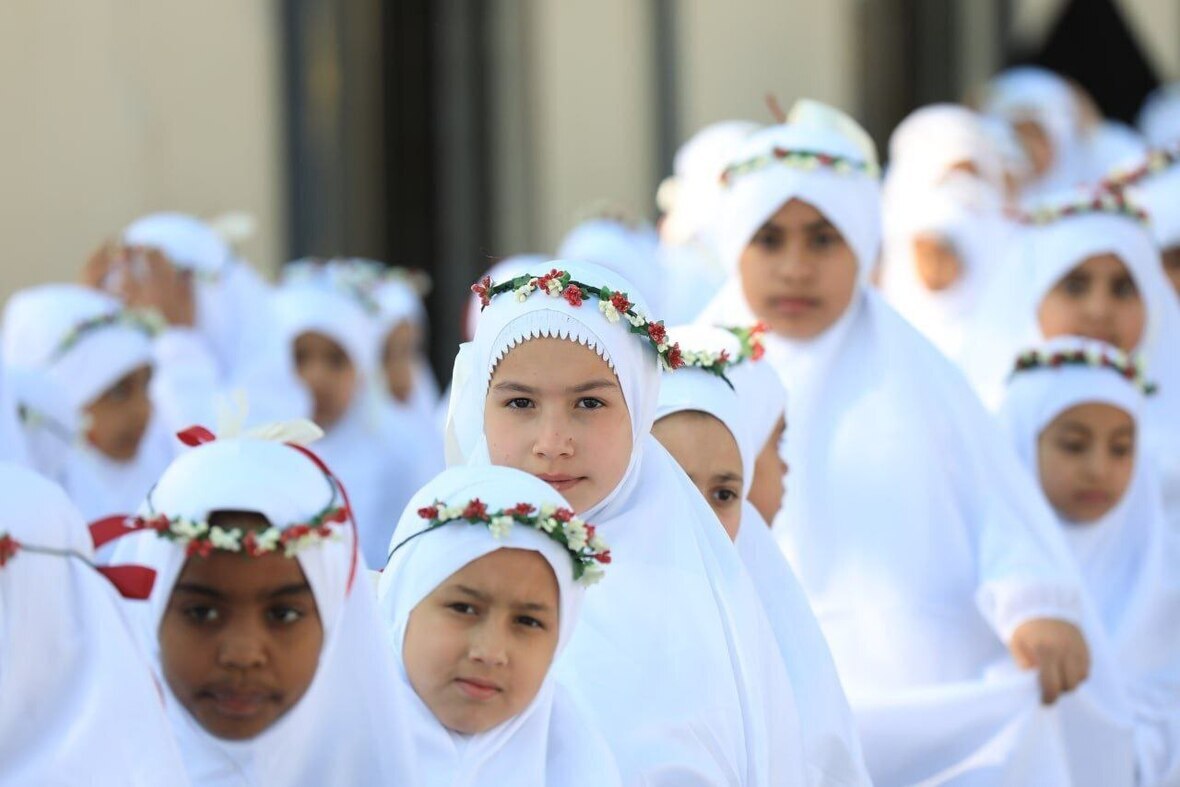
<point>317,742</point>
<point>749,410</point>
<point>80,705</point>
<point>398,302</point>
<point>917,536</point>
<point>1128,557</point>
<point>58,330</point>
<point>639,671</point>
<point>373,449</point>
<point>1159,118</point>
<point>630,249</point>
<point>550,741</point>
<point>235,327</point>
<point>1007,321</point>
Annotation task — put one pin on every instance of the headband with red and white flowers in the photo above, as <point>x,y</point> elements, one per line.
<point>587,551</point>
<point>800,159</point>
<point>146,322</point>
<point>751,348</point>
<point>613,305</point>
<point>1110,359</point>
<point>1112,202</point>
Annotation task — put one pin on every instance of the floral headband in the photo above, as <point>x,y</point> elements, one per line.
<point>134,582</point>
<point>353,279</point>
<point>800,159</point>
<point>1111,202</point>
<point>1116,361</point>
<point>718,363</point>
<point>149,323</point>
<point>587,551</point>
<point>1158,160</point>
<point>613,305</point>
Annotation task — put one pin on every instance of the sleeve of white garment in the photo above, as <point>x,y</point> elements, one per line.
<point>185,384</point>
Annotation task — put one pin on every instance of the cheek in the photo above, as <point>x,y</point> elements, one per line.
<point>609,446</point>
<point>507,439</point>
<point>1133,319</point>
<point>429,650</point>
<point>185,655</point>
<point>1056,316</point>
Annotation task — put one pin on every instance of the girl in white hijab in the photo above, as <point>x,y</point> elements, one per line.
<point>1071,410</point>
<point>261,622</point>
<point>329,321</point>
<point>234,332</point>
<point>925,551</point>
<point>80,705</point>
<point>477,607</point>
<point>101,358</point>
<point>729,394</point>
<point>674,656</point>
<point>402,325</point>
<point>1087,266</point>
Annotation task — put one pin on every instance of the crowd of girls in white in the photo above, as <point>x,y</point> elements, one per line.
<point>846,475</point>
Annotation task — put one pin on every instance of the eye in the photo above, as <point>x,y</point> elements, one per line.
<point>338,361</point>
<point>768,239</point>
<point>462,608</point>
<point>530,622</point>
<point>1122,450</point>
<point>1072,446</point>
<point>519,403</point>
<point>1075,285</point>
<point>823,240</point>
<point>201,614</point>
<point>284,615</point>
<point>724,496</point>
<point>590,403</point>
<point>1124,288</point>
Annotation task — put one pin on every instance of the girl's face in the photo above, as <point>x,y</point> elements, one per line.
<point>329,375</point>
<point>241,638</point>
<point>1099,300</point>
<point>705,449</point>
<point>770,473</point>
<point>119,417</point>
<point>937,264</point>
<point>398,356</point>
<point>1085,459</point>
<point>1172,267</point>
<point>1036,145</point>
<point>478,648</point>
<point>555,409</point>
<point>798,274</point>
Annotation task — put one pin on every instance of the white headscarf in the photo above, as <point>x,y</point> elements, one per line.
<point>317,742</point>
<point>749,410</point>
<point>550,741</point>
<point>1127,558</point>
<point>639,673</point>
<point>1159,192</point>
<point>1159,118</point>
<point>919,540</point>
<point>234,320</point>
<point>629,249</point>
<point>80,705</point>
<point>83,342</point>
<point>1007,321</point>
<point>373,449</point>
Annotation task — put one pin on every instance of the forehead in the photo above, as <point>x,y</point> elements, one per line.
<point>796,212</point>
<point>509,575</point>
<point>556,362</point>
<point>315,341</point>
<point>710,448</point>
<point>1105,264</point>
<point>1095,416</point>
<point>237,575</point>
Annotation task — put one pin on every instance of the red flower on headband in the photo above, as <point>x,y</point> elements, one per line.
<point>482,288</point>
<point>603,557</point>
<point>563,515</point>
<point>9,546</point>
<point>620,302</point>
<point>476,509</point>
<point>676,358</point>
<point>522,509</point>
<point>429,512</point>
<point>573,295</point>
<point>199,548</point>
<point>657,332</point>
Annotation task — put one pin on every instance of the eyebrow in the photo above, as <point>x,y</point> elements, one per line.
<point>728,477</point>
<point>295,589</point>
<point>811,226</point>
<point>198,590</point>
<point>591,385</point>
<point>532,606</point>
<point>471,592</point>
<point>1074,426</point>
<point>195,589</point>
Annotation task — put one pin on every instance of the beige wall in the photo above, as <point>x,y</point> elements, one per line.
<point>113,108</point>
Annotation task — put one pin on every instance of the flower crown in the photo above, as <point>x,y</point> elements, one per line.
<point>1111,202</point>
<point>355,279</point>
<point>613,305</point>
<point>1158,160</point>
<point>587,551</point>
<point>133,582</point>
<point>800,159</point>
<point>719,362</point>
<point>1116,361</point>
<point>149,323</point>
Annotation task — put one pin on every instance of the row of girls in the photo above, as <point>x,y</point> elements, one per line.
<point>834,481</point>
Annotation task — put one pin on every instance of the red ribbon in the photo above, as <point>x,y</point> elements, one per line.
<point>134,582</point>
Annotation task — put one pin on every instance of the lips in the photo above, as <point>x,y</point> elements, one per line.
<point>1093,497</point>
<point>238,703</point>
<point>792,306</point>
<point>476,689</point>
<point>561,482</point>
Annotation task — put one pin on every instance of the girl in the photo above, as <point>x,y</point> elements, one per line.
<point>261,627</point>
<point>562,381</point>
<point>1071,411</point>
<point>330,325</point>
<point>402,324</point>
<point>924,551</point>
<point>80,706</point>
<point>1087,266</point>
<point>232,324</point>
<point>100,358</point>
<point>713,420</point>
<point>478,606</point>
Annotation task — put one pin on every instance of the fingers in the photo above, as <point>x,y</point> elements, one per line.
<point>1052,681</point>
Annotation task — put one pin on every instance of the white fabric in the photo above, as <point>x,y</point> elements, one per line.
<point>1127,558</point>
<point>1159,118</point>
<point>233,319</point>
<point>80,705</point>
<point>380,454</point>
<point>1160,194</point>
<point>317,742</point>
<point>632,251</point>
<point>1007,320</point>
<point>550,741</point>
<point>919,540</point>
<point>37,322</point>
<point>1034,94</point>
<point>1112,146</point>
<point>639,673</point>
<point>399,303</point>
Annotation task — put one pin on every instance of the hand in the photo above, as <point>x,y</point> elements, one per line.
<point>1057,649</point>
<point>154,282</point>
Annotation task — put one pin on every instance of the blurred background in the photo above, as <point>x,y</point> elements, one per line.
<point>442,134</point>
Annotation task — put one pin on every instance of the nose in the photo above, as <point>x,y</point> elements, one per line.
<point>242,647</point>
<point>488,646</point>
<point>554,436</point>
